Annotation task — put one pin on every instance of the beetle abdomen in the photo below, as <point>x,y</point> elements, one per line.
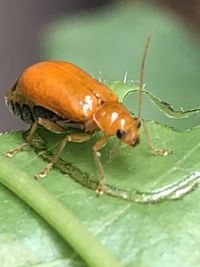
<point>23,111</point>
<point>30,114</point>
<point>40,112</point>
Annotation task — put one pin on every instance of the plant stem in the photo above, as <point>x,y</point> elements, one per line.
<point>58,216</point>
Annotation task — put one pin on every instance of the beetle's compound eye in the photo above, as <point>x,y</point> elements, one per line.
<point>120,133</point>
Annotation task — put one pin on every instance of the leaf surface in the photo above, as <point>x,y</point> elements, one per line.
<point>137,234</point>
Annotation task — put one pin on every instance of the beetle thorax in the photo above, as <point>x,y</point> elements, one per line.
<point>114,119</point>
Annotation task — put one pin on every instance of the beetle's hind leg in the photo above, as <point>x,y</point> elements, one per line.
<point>11,153</point>
<point>77,138</point>
<point>155,151</point>
<point>52,126</point>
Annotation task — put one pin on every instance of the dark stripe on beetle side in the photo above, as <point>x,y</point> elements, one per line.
<point>10,105</point>
<point>18,110</point>
<point>40,112</point>
<point>27,114</point>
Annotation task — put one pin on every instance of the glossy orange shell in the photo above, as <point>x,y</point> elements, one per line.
<point>65,89</point>
<point>114,116</point>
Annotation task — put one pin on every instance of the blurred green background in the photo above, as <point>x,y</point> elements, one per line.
<point>107,37</point>
<point>111,41</point>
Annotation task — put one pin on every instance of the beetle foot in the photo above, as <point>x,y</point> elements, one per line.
<point>44,171</point>
<point>11,153</point>
<point>99,190</point>
<point>162,152</point>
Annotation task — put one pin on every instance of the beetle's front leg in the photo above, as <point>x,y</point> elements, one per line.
<point>98,145</point>
<point>155,151</point>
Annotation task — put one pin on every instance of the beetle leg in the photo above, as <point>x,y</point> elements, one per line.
<point>78,138</point>
<point>51,126</point>
<point>97,146</point>
<point>11,153</point>
<point>68,124</point>
<point>155,151</point>
<point>45,123</point>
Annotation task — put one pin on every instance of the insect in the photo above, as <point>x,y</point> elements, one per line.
<point>59,96</point>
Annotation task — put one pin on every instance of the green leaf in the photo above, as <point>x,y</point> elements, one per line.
<point>136,234</point>
<point>126,89</point>
<point>110,42</point>
<point>65,223</point>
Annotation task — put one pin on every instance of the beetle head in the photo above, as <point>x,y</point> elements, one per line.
<point>115,119</point>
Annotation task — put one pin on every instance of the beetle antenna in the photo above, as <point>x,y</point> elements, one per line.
<point>141,89</point>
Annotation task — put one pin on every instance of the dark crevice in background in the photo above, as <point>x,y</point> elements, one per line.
<point>21,21</point>
<point>20,24</point>
<point>50,9</point>
<point>189,11</point>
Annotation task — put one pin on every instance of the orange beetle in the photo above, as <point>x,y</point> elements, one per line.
<point>59,95</point>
